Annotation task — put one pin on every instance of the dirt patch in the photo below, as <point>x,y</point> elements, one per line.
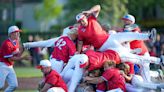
<point>28,83</point>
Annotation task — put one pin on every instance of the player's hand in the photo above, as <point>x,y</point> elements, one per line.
<point>122,72</point>
<point>27,57</point>
<point>40,85</point>
<point>87,78</point>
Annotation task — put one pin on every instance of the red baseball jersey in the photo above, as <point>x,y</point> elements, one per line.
<point>9,49</point>
<point>97,59</point>
<point>93,34</point>
<point>102,86</point>
<point>138,43</point>
<point>54,79</point>
<point>114,79</point>
<point>63,49</point>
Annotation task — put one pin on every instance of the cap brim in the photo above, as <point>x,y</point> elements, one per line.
<point>18,31</point>
<point>126,19</point>
<point>83,65</point>
<point>39,67</point>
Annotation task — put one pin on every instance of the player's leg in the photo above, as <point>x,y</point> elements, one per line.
<point>76,77</point>
<point>68,75</point>
<point>11,80</point>
<point>114,39</point>
<point>70,64</point>
<point>129,36</point>
<point>127,56</point>
<point>57,65</point>
<point>145,70</point>
<point>3,74</point>
<point>139,82</point>
<point>131,88</point>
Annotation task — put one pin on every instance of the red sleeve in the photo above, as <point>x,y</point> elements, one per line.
<point>52,80</point>
<point>7,50</point>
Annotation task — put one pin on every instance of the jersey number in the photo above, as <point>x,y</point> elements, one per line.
<point>60,43</point>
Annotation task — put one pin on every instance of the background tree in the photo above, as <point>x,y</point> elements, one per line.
<point>111,10</point>
<point>47,12</point>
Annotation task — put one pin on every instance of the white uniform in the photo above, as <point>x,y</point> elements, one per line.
<point>138,85</point>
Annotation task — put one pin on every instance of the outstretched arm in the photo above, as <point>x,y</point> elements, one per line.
<point>46,43</point>
<point>94,10</point>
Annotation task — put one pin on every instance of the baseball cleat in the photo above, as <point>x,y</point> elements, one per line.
<point>153,35</point>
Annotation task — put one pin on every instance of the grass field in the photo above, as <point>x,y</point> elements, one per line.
<point>27,72</point>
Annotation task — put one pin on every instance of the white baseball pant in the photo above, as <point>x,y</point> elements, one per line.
<point>7,73</point>
<point>138,81</point>
<point>114,43</point>
<point>57,65</point>
<point>114,39</point>
<point>77,74</point>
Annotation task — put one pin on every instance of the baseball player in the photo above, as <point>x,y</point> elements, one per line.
<point>91,32</point>
<point>64,47</point>
<point>94,60</point>
<point>10,51</point>
<point>130,26</point>
<point>52,81</point>
<point>137,84</point>
<point>111,80</point>
<point>49,42</point>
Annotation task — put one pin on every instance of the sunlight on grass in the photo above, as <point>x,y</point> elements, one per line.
<point>27,72</point>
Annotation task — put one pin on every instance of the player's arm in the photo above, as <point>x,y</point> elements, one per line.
<point>93,80</point>
<point>17,58</point>
<point>45,88</point>
<point>79,46</point>
<point>128,78</point>
<point>45,43</point>
<point>21,48</point>
<point>95,10</point>
<point>13,55</point>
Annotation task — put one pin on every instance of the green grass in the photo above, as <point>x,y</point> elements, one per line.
<point>27,72</point>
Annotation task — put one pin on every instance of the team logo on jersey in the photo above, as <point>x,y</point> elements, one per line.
<point>83,29</point>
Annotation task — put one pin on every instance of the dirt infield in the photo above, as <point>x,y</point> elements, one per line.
<point>28,83</point>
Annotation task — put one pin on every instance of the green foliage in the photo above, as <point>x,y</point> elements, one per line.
<point>111,10</point>
<point>144,8</point>
<point>48,10</point>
